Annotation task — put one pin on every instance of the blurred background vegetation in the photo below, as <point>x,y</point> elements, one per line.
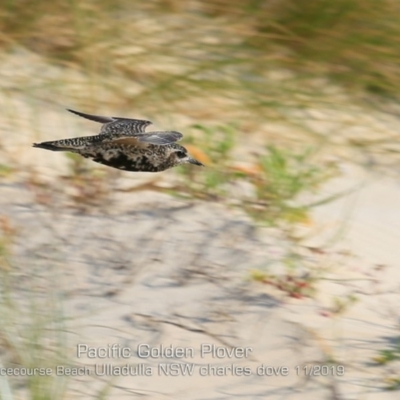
<point>233,69</point>
<point>176,50</point>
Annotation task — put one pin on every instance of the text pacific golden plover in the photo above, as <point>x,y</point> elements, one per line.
<point>123,144</point>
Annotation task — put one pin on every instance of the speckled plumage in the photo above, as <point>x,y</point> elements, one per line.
<point>123,144</point>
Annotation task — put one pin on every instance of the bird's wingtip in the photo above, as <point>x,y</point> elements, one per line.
<point>74,112</point>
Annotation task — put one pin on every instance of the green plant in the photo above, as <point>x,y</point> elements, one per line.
<point>283,177</point>
<point>278,178</point>
<point>389,355</point>
<point>393,383</point>
<point>5,170</point>
<point>32,334</point>
<point>33,338</point>
<point>343,303</point>
<point>352,41</point>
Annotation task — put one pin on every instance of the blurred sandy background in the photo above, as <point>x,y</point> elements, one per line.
<point>286,243</point>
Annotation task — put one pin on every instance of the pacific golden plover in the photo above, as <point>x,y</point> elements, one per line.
<point>123,144</point>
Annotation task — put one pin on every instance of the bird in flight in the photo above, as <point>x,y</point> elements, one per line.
<point>122,143</point>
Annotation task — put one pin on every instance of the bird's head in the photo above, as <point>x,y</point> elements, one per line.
<point>180,156</point>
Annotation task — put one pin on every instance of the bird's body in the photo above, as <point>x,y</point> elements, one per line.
<point>123,144</point>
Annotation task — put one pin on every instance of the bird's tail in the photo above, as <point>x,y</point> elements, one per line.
<point>50,146</point>
<point>73,145</point>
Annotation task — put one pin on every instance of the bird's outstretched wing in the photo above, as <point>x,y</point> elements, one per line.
<point>116,125</point>
<point>157,138</point>
<point>160,138</point>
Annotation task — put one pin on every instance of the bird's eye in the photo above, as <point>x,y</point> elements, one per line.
<point>180,154</point>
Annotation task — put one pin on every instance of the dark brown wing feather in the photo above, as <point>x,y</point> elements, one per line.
<point>96,118</point>
<point>135,125</point>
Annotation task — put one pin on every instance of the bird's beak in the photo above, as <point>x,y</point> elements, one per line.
<point>195,162</point>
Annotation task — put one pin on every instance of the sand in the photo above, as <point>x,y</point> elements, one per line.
<point>147,272</point>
